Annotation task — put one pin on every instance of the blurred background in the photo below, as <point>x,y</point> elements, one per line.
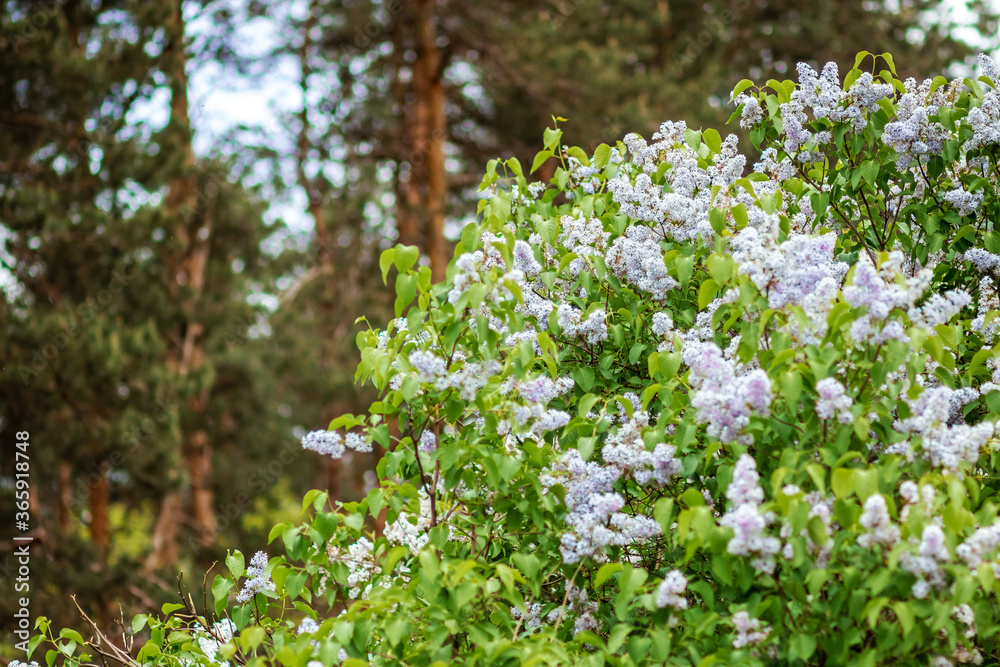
<point>194,195</point>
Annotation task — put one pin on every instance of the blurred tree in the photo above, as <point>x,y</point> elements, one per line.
<point>135,310</point>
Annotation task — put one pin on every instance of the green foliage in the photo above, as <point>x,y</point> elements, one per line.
<point>662,413</point>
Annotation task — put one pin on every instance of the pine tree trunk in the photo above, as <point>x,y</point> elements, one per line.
<point>432,131</point>
<point>100,494</point>
<point>165,548</point>
<point>193,231</point>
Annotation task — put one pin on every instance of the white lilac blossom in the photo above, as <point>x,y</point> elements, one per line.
<point>594,518</point>
<point>965,202</point>
<point>751,114</point>
<point>945,446</point>
<point>361,565</point>
<point>926,564</point>
<point>325,442</point>
<point>875,519</point>
<point>534,413</point>
<point>680,211</point>
<point>524,259</point>
<point>358,443</point>
<point>940,308</point>
<point>984,260</point>
<point>799,272</point>
<point>221,632</point>
<point>636,256</point>
<point>532,620</point>
<point>981,547</point>
<point>468,379</point>
<point>745,518</point>
<point>584,237</point>
<point>626,450</point>
<point>411,530</point>
<point>985,123</point>
<point>724,402</point>
<point>964,615</point>
<point>580,606</point>
<point>882,292</point>
<point>913,135</point>
<point>671,591</point>
<point>428,442</point>
<point>307,626</point>
<point>663,323</point>
<point>833,401</point>
<point>592,330</point>
<point>257,579</point>
<point>749,631</point>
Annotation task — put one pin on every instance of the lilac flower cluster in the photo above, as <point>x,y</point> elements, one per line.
<point>875,519</point>
<point>584,237</point>
<point>361,565</point>
<point>833,401</point>
<point>749,631</point>
<point>580,606</point>
<point>981,547</point>
<point>626,450</point>
<point>325,442</point>
<point>680,209</point>
<point>881,293</point>
<point>411,530</point>
<point>913,135</point>
<point>537,393</point>
<point>222,632</point>
<point>751,114</point>
<point>966,202</point>
<point>594,518</point>
<point>592,330</point>
<point>945,446</point>
<point>799,272</point>
<point>468,380</point>
<point>745,518</point>
<point>985,119</point>
<point>671,591</point>
<point>926,564</point>
<point>636,256</point>
<point>257,579</point>
<point>724,401</point>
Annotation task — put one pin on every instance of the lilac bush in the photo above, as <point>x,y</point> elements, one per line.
<point>669,410</point>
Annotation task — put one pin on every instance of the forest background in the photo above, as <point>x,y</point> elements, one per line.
<point>194,195</point>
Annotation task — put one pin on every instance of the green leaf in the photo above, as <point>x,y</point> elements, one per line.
<point>740,87</point>
<point>802,646</point>
<point>869,171</point>
<point>385,262</point>
<point>843,482</point>
<point>404,258</point>
<point>712,139</point>
<point>602,155</point>
<point>235,563</point>
<point>866,482</point>
<point>707,293</point>
<point>548,229</point>
<point>539,160</point>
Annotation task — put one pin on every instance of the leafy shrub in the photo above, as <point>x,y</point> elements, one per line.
<point>662,412</point>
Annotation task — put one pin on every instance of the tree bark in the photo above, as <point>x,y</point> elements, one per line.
<point>193,230</point>
<point>430,133</point>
